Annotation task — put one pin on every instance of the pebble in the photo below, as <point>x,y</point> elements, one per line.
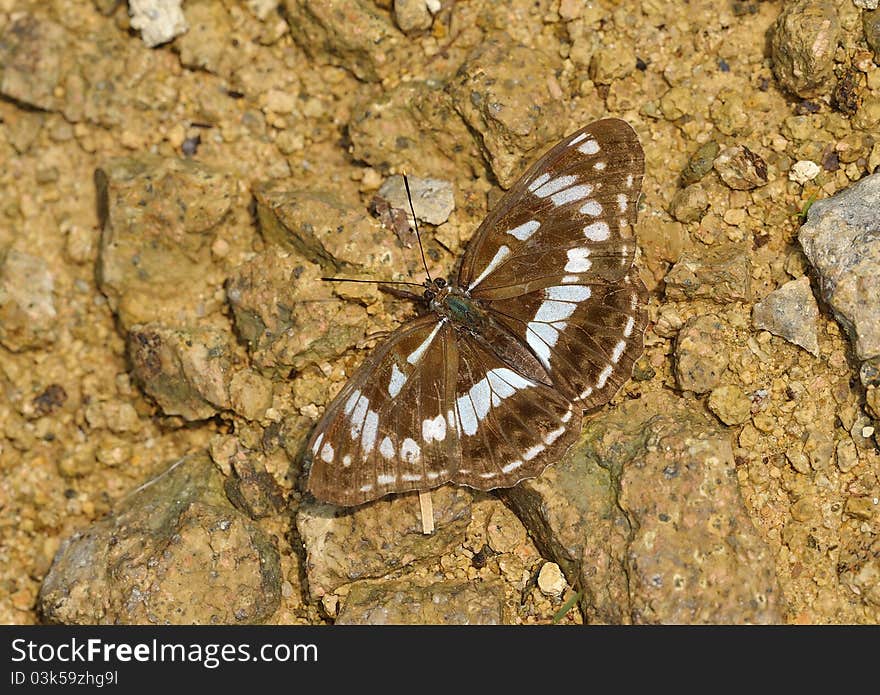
<point>689,204</point>
<point>159,21</point>
<point>432,199</point>
<point>731,404</point>
<point>802,46</point>
<point>700,357</point>
<point>551,581</point>
<point>791,313</point>
<point>847,456</point>
<point>740,168</point>
<point>700,163</point>
<point>803,171</point>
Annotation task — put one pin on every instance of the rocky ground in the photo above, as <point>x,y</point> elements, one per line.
<point>174,185</point>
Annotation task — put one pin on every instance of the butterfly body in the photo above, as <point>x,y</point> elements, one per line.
<point>542,323</point>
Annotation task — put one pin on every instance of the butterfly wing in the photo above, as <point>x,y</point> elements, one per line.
<point>434,405</point>
<point>386,431</point>
<point>509,427</point>
<point>553,261</point>
<point>571,214</point>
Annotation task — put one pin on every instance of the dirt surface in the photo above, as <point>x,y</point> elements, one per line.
<point>251,96</point>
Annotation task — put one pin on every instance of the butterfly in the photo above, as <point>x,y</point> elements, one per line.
<point>543,322</point>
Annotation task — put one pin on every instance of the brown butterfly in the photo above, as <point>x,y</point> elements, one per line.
<point>544,321</point>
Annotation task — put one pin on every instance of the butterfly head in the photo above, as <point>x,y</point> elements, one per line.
<point>435,290</point>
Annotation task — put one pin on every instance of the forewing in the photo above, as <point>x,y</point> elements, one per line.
<point>569,218</point>
<point>387,430</point>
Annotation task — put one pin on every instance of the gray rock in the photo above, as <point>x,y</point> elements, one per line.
<point>644,514</point>
<point>791,313</point>
<point>159,21</point>
<point>721,274</point>
<point>347,544</point>
<point>174,551</point>
<point>27,307</point>
<point>432,199</point>
<point>841,239</point>
<point>802,46</point>
<point>700,354</point>
<point>443,603</point>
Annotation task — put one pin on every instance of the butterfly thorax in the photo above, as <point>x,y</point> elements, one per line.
<point>467,315</point>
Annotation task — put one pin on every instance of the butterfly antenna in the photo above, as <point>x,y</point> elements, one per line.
<point>374,282</point>
<point>416,226</point>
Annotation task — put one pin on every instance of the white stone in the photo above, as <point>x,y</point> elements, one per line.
<point>803,171</point>
<point>551,581</point>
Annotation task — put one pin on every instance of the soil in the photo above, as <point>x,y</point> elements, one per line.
<point>241,94</point>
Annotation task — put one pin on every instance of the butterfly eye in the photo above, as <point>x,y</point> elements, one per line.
<point>440,282</point>
<point>429,295</point>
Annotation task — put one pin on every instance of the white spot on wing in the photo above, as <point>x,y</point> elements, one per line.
<point>578,261</point>
<point>466,415</point>
<point>396,382</point>
<point>534,451</point>
<point>500,255</point>
<point>371,429</point>
<point>599,166</point>
<point>538,182</point>
<point>589,147</point>
<point>357,417</point>
<point>591,208</point>
<point>628,329</point>
<point>346,460</point>
<point>366,488</point>
<point>570,195</point>
<point>434,428</point>
<point>586,393</point>
<point>555,185</point>
<point>571,279</point>
<point>352,399</point>
<point>386,479</point>
<point>618,351</point>
<point>327,453</point>
<point>622,202</point>
<point>568,293</point>
<point>512,466</point>
<point>541,337</point>
<point>317,444</point>
<point>551,437</point>
<point>410,451</point>
<point>411,477</point>
<point>525,230</point>
<point>597,231</point>
<point>420,351</point>
<point>551,310</point>
<point>386,448</point>
<point>629,181</point>
<point>480,398</point>
<point>603,377</point>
